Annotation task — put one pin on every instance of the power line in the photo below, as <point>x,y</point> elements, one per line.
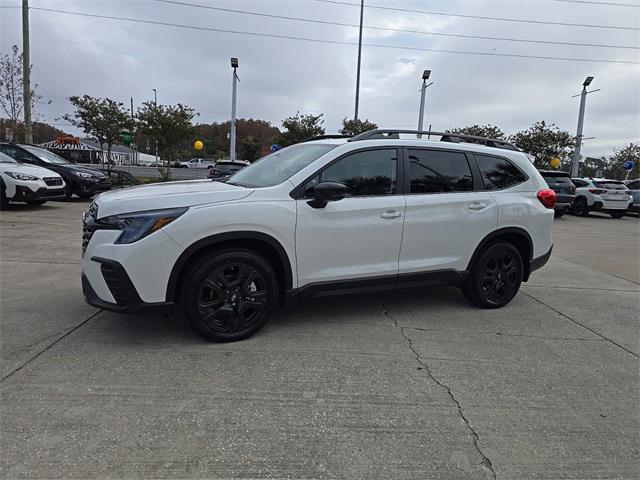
<point>332,42</point>
<point>612,4</point>
<point>480,17</point>
<point>390,29</point>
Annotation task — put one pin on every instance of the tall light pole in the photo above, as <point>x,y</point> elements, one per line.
<point>232,140</point>
<point>26,73</point>
<point>575,163</point>
<point>155,101</point>
<point>425,77</point>
<point>355,115</point>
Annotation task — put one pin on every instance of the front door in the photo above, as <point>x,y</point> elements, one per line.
<point>359,236</point>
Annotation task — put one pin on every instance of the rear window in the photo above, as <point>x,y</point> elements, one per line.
<point>611,185</point>
<point>498,173</point>
<point>551,178</point>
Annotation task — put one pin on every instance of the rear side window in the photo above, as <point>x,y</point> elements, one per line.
<point>498,173</point>
<point>433,171</point>
<point>579,183</point>
<point>610,185</point>
<point>635,185</point>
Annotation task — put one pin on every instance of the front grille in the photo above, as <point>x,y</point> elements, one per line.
<point>111,279</point>
<point>88,225</point>
<point>53,181</point>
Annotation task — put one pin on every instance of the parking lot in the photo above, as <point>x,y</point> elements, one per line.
<point>414,385</point>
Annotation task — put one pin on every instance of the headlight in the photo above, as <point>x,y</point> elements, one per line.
<point>84,175</point>
<point>21,176</point>
<point>138,225</point>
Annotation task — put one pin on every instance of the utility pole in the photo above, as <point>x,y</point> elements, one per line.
<point>232,140</point>
<point>425,77</point>
<point>575,163</point>
<point>134,147</point>
<point>355,115</point>
<point>26,73</point>
<point>155,101</point>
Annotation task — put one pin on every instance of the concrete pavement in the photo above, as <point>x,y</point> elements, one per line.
<point>411,385</point>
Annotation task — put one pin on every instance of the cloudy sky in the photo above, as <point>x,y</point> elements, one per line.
<point>121,59</point>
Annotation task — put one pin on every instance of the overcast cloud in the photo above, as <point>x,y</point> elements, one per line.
<point>77,55</point>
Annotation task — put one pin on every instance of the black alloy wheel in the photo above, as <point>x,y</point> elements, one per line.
<point>618,213</point>
<point>496,276</point>
<point>580,207</point>
<point>229,296</point>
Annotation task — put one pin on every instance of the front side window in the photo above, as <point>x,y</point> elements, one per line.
<point>370,172</point>
<point>635,185</point>
<point>46,155</point>
<point>579,183</point>
<point>498,173</point>
<point>433,171</point>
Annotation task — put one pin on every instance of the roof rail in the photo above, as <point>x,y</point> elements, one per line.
<point>444,137</point>
<point>322,137</point>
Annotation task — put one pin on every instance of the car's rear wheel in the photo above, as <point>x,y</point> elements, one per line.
<point>36,202</point>
<point>618,214</point>
<point>558,214</point>
<point>580,207</point>
<point>229,296</point>
<point>4,202</point>
<point>495,277</point>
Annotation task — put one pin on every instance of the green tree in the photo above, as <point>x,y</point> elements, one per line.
<point>250,149</point>
<point>620,155</point>
<point>11,88</point>
<point>170,126</point>
<point>487,131</point>
<point>102,118</point>
<point>300,127</point>
<point>544,142</point>
<point>354,127</point>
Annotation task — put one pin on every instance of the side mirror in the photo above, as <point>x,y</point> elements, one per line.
<point>326,192</point>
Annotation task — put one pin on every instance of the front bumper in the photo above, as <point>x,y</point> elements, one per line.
<point>88,186</point>
<point>25,194</point>
<point>127,298</point>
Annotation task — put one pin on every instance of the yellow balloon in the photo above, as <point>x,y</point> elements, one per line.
<point>198,145</point>
<point>555,162</point>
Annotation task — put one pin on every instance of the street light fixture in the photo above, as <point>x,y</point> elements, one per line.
<point>425,74</point>
<point>575,163</point>
<point>232,140</point>
<point>587,81</point>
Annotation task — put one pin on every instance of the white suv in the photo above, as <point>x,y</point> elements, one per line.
<point>601,194</point>
<point>27,183</point>
<point>326,216</point>
<point>198,163</point>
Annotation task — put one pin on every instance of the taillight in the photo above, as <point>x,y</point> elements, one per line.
<point>572,189</point>
<point>597,191</point>
<point>547,197</point>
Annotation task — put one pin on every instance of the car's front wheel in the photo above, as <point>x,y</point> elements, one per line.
<point>229,295</point>
<point>495,277</point>
<point>580,207</point>
<point>618,213</point>
<point>36,202</point>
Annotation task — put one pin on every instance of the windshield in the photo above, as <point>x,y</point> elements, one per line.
<point>45,155</point>
<point>277,167</point>
<point>6,158</point>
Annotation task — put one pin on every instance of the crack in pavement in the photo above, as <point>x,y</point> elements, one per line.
<point>486,462</point>
<point>578,339</point>
<point>580,324</point>
<point>62,337</point>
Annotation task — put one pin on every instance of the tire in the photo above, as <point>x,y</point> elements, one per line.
<point>495,277</point>
<point>67,192</point>
<point>618,214</point>
<point>558,214</point>
<point>4,202</point>
<point>36,202</point>
<point>580,207</point>
<point>85,195</point>
<point>229,296</point>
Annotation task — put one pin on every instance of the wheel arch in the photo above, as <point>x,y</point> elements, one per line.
<point>518,237</point>
<point>261,243</point>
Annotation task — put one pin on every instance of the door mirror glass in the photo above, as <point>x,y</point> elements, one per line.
<point>326,192</point>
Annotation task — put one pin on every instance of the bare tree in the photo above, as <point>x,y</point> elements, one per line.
<point>11,88</point>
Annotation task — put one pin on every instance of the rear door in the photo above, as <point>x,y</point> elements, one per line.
<point>448,212</point>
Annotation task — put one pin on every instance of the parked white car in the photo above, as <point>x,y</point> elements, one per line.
<point>601,195</point>
<point>322,217</point>
<point>198,163</point>
<point>31,184</point>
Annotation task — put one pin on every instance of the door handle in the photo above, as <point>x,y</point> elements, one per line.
<point>478,206</point>
<point>391,214</point>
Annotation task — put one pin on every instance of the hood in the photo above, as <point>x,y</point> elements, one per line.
<point>77,168</point>
<point>186,193</point>
<point>27,169</point>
